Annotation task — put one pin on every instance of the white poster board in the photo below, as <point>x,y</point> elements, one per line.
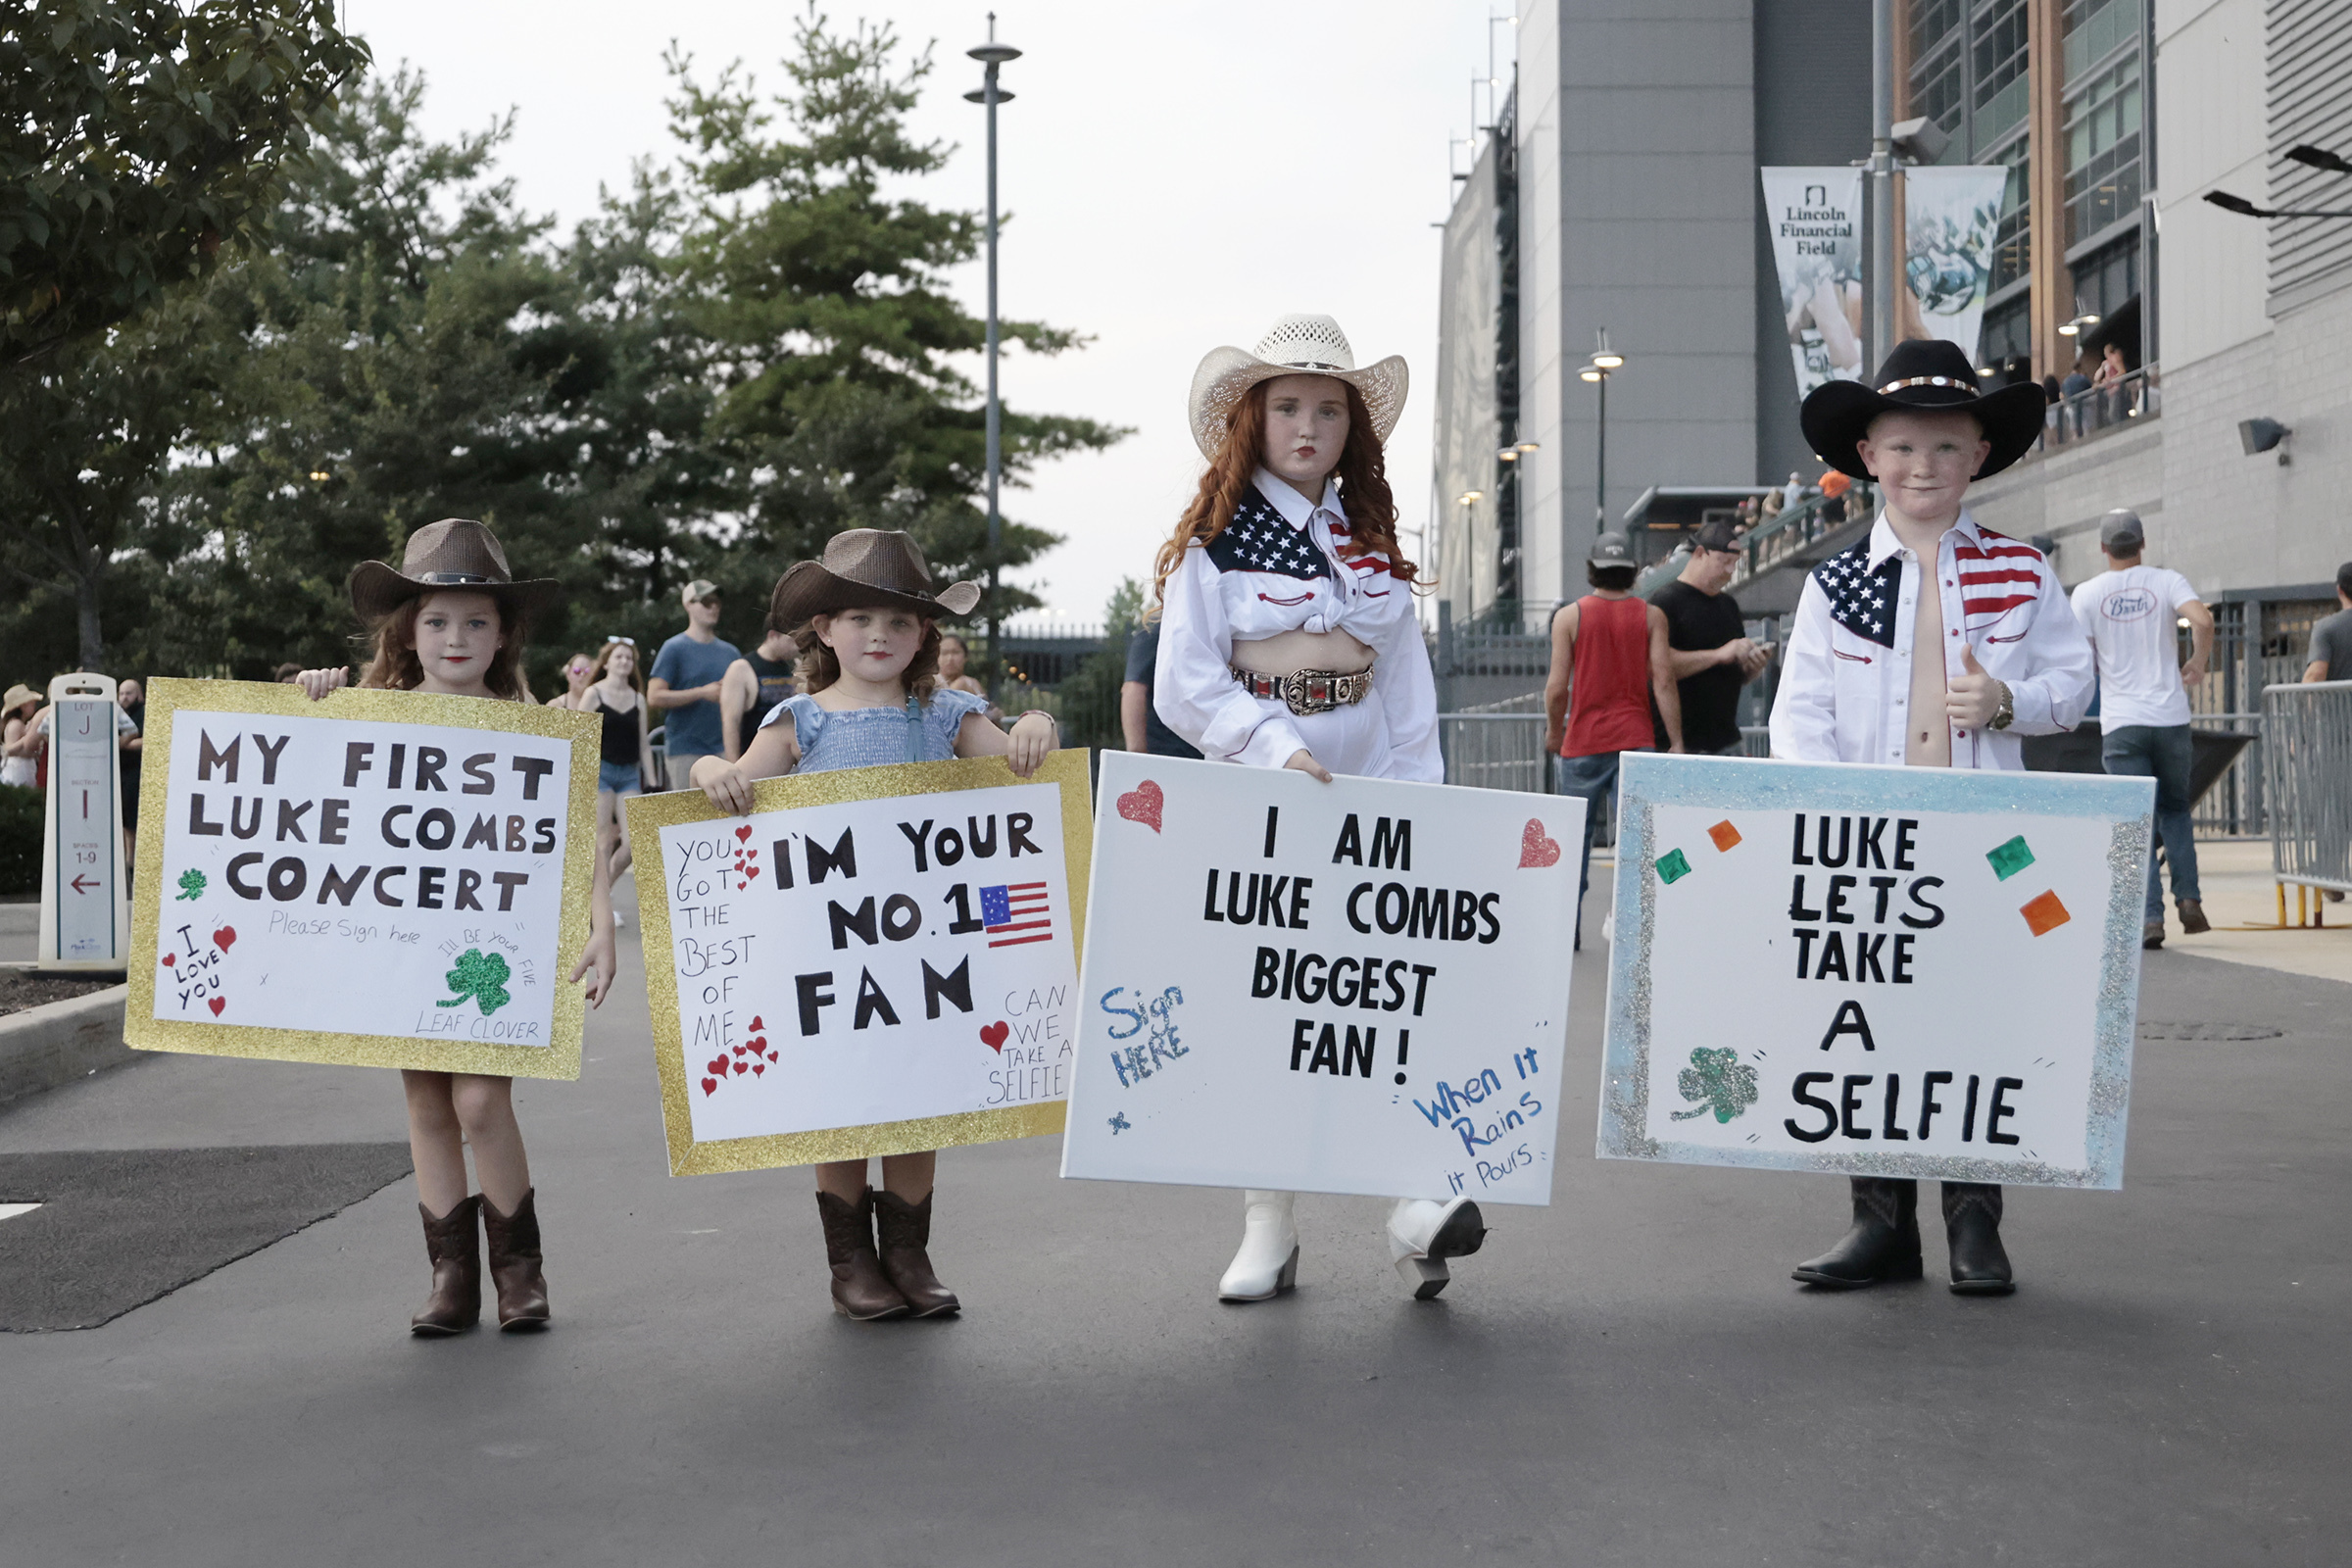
<point>379,879</point>
<point>1354,987</point>
<point>876,961</point>
<point>86,901</point>
<point>1875,970</point>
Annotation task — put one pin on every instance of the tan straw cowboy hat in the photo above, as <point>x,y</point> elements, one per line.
<point>455,552</point>
<point>863,567</point>
<point>1296,345</point>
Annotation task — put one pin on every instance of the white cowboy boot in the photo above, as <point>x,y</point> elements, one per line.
<point>1268,1262</point>
<point>1423,1233</point>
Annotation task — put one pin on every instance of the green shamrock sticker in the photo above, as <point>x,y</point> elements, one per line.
<point>191,886</point>
<point>483,977</point>
<point>1720,1081</point>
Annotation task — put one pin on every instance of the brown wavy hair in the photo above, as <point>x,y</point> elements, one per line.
<point>392,663</point>
<point>1362,472</point>
<point>818,666</point>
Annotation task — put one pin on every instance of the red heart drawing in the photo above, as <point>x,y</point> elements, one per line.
<point>758,1068</point>
<point>739,1069</point>
<point>710,1084</point>
<point>740,885</point>
<point>771,1055</point>
<point>224,938</point>
<point>739,1050</point>
<point>216,1003</point>
<point>743,832</point>
<point>757,1042</point>
<point>172,959</point>
<point>994,1035</point>
<point>1535,849</point>
<point>756,1024</point>
<point>1142,804</point>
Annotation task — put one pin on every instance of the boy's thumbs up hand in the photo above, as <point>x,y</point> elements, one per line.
<point>1972,698</point>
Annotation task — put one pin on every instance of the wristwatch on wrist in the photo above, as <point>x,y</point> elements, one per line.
<point>2006,713</point>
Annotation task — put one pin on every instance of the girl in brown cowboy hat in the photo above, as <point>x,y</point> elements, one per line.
<point>871,694</point>
<point>1288,639</point>
<point>451,621</point>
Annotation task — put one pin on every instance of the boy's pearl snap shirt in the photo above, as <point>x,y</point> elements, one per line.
<point>1846,680</point>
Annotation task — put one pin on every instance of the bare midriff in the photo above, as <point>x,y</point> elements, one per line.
<point>1293,650</point>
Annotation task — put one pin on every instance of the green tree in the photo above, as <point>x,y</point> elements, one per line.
<point>831,340</point>
<point>1087,700</point>
<point>138,138</point>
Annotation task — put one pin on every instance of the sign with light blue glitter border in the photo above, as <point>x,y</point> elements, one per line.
<point>1875,971</point>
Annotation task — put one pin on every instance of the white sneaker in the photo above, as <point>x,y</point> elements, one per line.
<point>1267,1264</point>
<point>1423,1233</point>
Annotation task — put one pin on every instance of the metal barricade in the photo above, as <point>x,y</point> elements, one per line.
<point>2307,776</point>
<point>1495,751</point>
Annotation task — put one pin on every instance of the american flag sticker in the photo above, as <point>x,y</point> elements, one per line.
<point>1017,913</point>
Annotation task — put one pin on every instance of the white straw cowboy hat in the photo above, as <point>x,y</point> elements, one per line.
<point>1296,345</point>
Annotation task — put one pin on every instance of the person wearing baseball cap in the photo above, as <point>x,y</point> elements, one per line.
<point>2131,611</point>
<point>689,677</point>
<point>1609,658</point>
<point>1707,641</point>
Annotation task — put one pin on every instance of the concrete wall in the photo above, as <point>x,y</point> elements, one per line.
<point>2209,135</point>
<point>1541,250</point>
<point>1470,283</point>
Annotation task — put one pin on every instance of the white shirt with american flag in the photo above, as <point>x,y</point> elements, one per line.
<point>1845,677</point>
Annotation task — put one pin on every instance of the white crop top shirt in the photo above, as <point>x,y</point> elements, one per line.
<point>1280,565</point>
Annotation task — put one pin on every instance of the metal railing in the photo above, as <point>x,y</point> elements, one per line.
<point>2307,775</point>
<point>1784,533</point>
<point>1496,750</point>
<point>2087,415</point>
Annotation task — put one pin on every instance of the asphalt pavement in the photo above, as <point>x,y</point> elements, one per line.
<point>1627,1377</point>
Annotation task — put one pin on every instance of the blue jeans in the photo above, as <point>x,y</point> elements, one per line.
<point>1592,779</point>
<point>2160,752</point>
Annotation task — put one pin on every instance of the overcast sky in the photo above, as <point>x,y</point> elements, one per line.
<point>1182,172</point>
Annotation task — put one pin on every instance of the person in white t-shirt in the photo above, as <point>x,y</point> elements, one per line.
<point>2130,612</point>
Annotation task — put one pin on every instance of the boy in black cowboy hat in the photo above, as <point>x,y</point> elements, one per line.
<point>1879,670</point>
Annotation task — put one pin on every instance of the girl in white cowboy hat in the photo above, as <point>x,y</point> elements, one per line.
<point>1288,639</point>
<point>871,694</point>
<point>451,620</point>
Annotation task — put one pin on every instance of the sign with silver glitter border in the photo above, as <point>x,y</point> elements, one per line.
<point>1877,971</point>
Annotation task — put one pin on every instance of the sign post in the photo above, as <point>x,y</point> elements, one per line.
<point>85,906</point>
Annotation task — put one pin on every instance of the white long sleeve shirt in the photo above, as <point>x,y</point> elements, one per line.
<point>1846,678</point>
<point>1284,565</point>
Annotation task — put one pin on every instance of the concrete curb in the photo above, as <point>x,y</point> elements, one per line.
<point>58,1042</point>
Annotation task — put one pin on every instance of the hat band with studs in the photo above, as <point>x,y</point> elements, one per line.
<point>440,578</point>
<point>1929,380</point>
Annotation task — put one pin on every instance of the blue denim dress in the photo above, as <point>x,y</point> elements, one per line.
<point>869,737</point>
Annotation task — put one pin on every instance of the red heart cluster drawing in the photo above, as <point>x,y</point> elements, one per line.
<point>747,859</point>
<point>752,1057</point>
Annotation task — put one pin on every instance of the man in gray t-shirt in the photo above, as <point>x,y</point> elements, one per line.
<point>2331,639</point>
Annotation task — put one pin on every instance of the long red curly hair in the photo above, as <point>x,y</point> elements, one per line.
<point>1362,472</point>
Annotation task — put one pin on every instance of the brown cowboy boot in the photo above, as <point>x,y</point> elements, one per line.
<point>860,1289</point>
<point>515,1263</point>
<point>905,1231</point>
<point>452,1243</point>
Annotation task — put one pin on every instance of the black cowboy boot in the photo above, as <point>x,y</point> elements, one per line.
<point>1972,1224</point>
<point>1883,1243</point>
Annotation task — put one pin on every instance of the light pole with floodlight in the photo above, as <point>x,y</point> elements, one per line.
<point>1604,363</point>
<point>991,55</point>
<point>1468,501</point>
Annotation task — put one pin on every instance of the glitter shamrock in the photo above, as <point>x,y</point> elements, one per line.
<point>191,886</point>
<point>1720,1080</point>
<point>483,977</point>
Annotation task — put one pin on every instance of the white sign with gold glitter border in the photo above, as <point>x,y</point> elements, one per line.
<point>1880,971</point>
<point>382,879</point>
<point>876,961</point>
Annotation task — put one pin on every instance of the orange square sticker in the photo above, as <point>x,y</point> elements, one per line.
<point>1724,834</point>
<point>2044,915</point>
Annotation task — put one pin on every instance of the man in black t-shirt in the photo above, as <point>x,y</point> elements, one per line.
<point>1138,722</point>
<point>1708,642</point>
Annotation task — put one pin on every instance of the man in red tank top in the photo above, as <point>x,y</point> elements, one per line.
<point>1609,658</point>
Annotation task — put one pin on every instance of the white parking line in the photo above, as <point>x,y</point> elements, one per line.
<point>12,1211</point>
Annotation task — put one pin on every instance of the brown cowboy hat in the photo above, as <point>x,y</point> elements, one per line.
<point>455,553</point>
<point>864,567</point>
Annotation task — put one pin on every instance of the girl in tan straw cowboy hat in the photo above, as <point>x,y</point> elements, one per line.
<point>451,620</point>
<point>867,621</point>
<point>1288,639</point>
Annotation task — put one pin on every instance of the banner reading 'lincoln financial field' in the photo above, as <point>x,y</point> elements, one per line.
<point>1815,215</point>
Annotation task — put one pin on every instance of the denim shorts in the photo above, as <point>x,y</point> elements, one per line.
<point>619,778</point>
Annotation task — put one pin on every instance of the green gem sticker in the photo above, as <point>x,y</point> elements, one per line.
<point>1672,866</point>
<point>2010,859</point>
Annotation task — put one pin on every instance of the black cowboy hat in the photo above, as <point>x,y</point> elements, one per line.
<point>865,567</point>
<point>454,553</point>
<point>1930,375</point>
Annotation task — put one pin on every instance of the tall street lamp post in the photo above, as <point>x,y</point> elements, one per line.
<point>1604,363</point>
<point>991,55</point>
<point>1468,501</point>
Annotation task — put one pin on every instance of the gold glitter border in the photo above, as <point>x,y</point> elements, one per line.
<point>559,1059</point>
<point>650,814</point>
